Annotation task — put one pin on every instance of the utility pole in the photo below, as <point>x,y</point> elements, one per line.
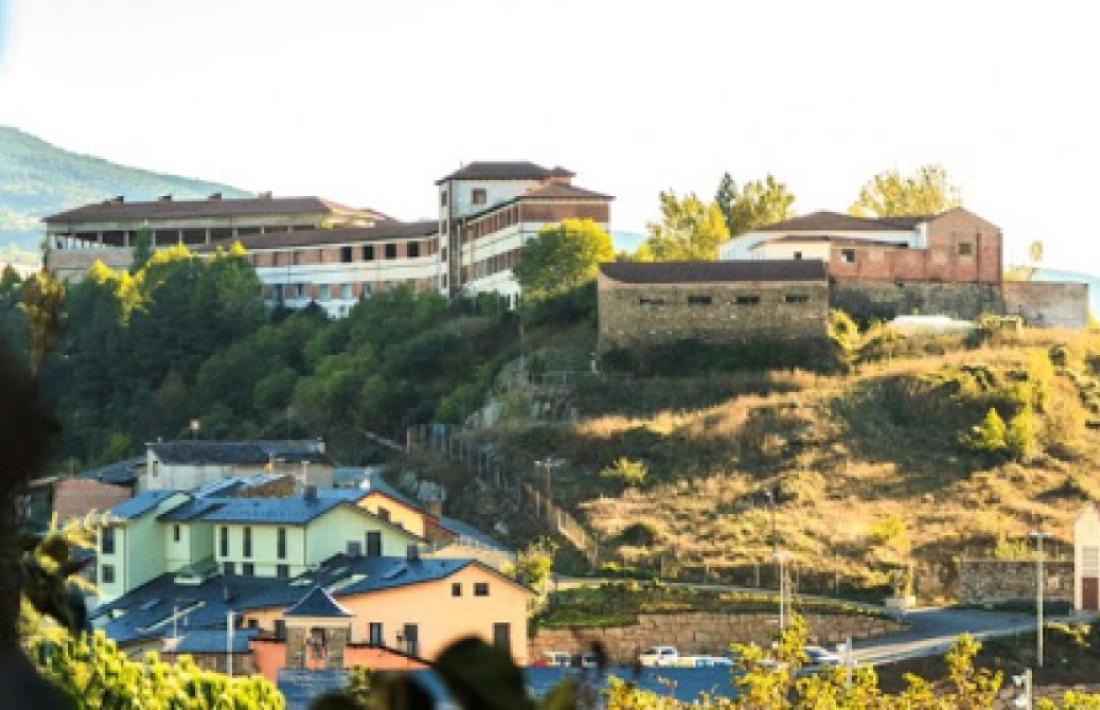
<point>1039,535</point>
<point>229,644</point>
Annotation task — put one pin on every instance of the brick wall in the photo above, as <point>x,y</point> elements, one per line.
<point>996,581</point>
<point>76,497</point>
<point>1057,305</point>
<point>887,299</point>
<point>702,633</point>
<point>632,315</point>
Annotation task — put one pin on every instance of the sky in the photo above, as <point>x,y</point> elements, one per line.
<point>369,101</point>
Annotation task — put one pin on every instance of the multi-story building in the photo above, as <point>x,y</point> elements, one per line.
<point>310,250</point>
<point>489,210</point>
<point>109,230</point>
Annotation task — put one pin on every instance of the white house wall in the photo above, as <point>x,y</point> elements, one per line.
<point>740,247</point>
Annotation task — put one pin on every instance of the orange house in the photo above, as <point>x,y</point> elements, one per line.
<point>417,608</point>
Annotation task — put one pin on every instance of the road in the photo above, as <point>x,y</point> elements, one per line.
<point>931,633</point>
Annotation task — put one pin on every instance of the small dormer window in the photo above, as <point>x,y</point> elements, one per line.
<point>477,197</point>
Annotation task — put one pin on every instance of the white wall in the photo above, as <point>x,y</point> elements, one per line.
<point>739,248</point>
<point>1086,533</point>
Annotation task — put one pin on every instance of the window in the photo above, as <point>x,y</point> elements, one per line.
<point>477,196</point>
<point>108,576</point>
<point>223,542</point>
<point>502,636</point>
<point>280,629</point>
<point>253,623</point>
<point>228,568</point>
<point>699,300</point>
<point>797,298</point>
<point>966,249</point>
<point>456,589</point>
<point>354,548</point>
<point>345,255</point>
<point>280,543</point>
<point>367,289</point>
<point>248,569</point>
<point>316,642</point>
<point>481,589</point>
<point>747,300</point>
<point>368,252</point>
<point>391,251</point>
<point>374,544</point>
<point>248,542</point>
<point>176,532</point>
<point>414,249</point>
<point>375,635</point>
<point>442,198</point>
<point>443,255</point>
<point>412,639</point>
<point>848,256</point>
<point>300,290</point>
<point>797,256</point>
<point>324,292</point>
<point>384,513</point>
<point>345,291</point>
<point>282,571</point>
<point>644,301</point>
<point>107,541</point>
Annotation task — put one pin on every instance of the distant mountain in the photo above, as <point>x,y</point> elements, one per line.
<point>38,179</point>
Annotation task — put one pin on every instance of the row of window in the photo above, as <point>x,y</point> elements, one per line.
<point>329,292</point>
<point>491,265</point>
<point>246,546</point>
<point>408,639</point>
<point>707,300</point>
<point>849,256</point>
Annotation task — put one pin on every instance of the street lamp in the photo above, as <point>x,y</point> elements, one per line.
<point>1040,583</point>
<point>195,426</point>
<point>781,558</point>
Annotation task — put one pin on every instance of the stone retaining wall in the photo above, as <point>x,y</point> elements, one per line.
<point>997,581</point>
<point>702,632</point>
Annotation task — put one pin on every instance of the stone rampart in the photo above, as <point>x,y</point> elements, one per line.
<point>866,300</point>
<point>702,633</point>
<point>992,581</point>
<point>1048,304</point>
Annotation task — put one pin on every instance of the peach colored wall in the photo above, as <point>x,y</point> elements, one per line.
<point>269,656</point>
<point>400,514</point>
<point>441,617</point>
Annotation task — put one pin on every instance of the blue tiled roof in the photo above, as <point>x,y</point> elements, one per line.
<point>376,482</point>
<point>122,473</point>
<point>293,511</point>
<point>140,504</point>
<point>317,603</point>
<point>214,641</point>
<point>194,508</point>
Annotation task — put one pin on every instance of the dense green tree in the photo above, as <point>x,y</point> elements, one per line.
<point>690,229</point>
<point>562,257</point>
<point>757,203</point>
<point>891,194</point>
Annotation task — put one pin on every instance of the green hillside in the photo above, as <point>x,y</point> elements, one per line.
<point>37,179</point>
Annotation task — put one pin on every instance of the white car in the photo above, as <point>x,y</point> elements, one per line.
<point>819,656</point>
<point>660,657</point>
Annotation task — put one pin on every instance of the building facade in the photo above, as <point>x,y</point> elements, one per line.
<point>188,465</point>
<point>1086,559</point>
<point>646,304</point>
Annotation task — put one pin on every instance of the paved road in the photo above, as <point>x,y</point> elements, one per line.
<point>932,630</point>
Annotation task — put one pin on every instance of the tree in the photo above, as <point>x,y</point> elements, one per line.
<point>890,194</point>
<point>689,230</point>
<point>562,257</point>
<point>143,249</point>
<point>758,203</point>
<point>1035,253</point>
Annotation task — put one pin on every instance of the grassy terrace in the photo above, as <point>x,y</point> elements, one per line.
<point>620,604</point>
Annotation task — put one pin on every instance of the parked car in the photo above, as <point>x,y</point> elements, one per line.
<point>660,657</point>
<point>553,659</point>
<point>820,656</point>
<point>711,662</point>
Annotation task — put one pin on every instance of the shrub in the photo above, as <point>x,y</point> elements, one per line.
<point>989,436</point>
<point>632,473</point>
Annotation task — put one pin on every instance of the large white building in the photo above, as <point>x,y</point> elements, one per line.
<point>309,250</point>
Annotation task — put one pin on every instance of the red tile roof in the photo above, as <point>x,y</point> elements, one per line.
<point>114,210</point>
<point>504,170</point>
<point>837,222</point>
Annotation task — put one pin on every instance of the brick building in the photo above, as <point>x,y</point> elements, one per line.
<point>642,304</point>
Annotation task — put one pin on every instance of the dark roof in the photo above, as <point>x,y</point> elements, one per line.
<point>292,511</point>
<point>214,641</point>
<point>236,452</point>
<point>192,509</point>
<point>380,231</point>
<point>377,483</point>
<point>832,221</point>
<point>112,210</point>
<point>317,603</point>
<point>120,473</point>
<point>662,272</point>
<point>562,191</point>
<point>504,170</point>
<point>465,530</point>
<point>140,504</point>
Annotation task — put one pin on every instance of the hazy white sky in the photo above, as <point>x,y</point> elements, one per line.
<point>368,101</point>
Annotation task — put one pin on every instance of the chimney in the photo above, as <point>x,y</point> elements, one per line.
<point>164,198</point>
<point>265,195</point>
<point>412,553</point>
<point>215,196</point>
<point>435,508</point>
<point>119,199</point>
<point>310,493</point>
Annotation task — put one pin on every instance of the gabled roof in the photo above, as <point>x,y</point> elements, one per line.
<point>120,473</point>
<point>191,510</point>
<point>297,510</point>
<point>236,452</point>
<point>113,210</point>
<point>824,221</point>
<point>504,170</point>
<point>672,272</point>
<point>465,530</point>
<point>380,231</point>
<point>213,641</point>
<point>140,504</point>
<point>376,483</point>
<point>317,603</point>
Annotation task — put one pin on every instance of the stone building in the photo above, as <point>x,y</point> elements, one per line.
<point>644,304</point>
